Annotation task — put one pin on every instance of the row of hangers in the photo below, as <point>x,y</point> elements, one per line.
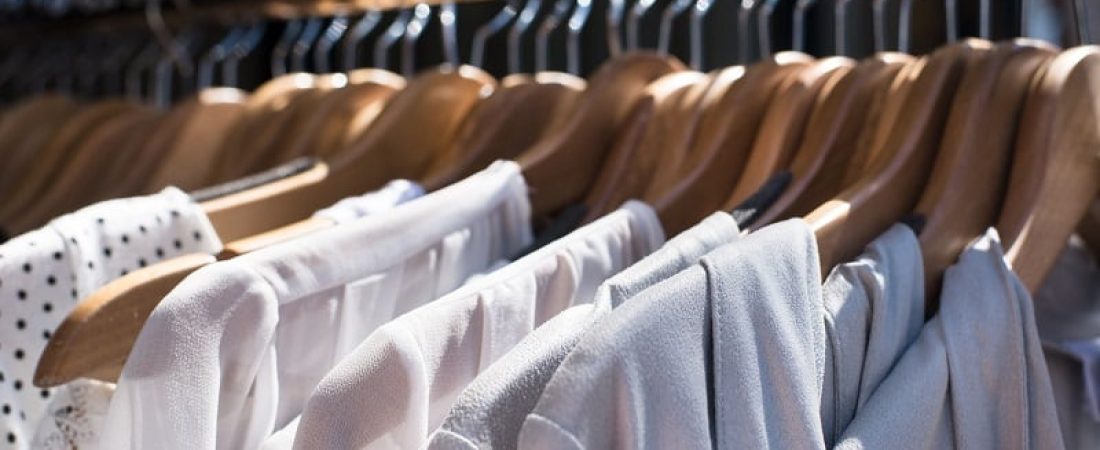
<point>973,135</point>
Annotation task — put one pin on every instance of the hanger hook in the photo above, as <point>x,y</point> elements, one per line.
<point>576,24</point>
<point>360,31</point>
<point>322,51</point>
<point>448,19</point>
<point>952,9</point>
<point>279,54</point>
<point>764,25</point>
<point>841,25</point>
<point>216,54</point>
<point>633,22</point>
<point>798,26</point>
<point>878,8</point>
<point>744,28</point>
<point>394,32</point>
<point>134,71</point>
<point>547,27</point>
<point>421,14</point>
<point>491,28</point>
<point>154,17</point>
<point>615,12</point>
<point>306,40</point>
<point>698,14</point>
<point>905,30</point>
<point>1080,14</point>
<point>668,17</point>
<point>230,68</point>
<point>515,35</point>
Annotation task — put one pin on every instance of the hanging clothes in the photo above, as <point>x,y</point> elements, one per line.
<point>275,321</point>
<point>739,332</point>
<point>975,377</point>
<point>490,411</point>
<point>420,362</point>
<point>44,273</point>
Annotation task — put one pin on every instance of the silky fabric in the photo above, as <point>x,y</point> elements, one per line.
<point>975,377</point>
<point>738,336</point>
<point>77,411</point>
<point>490,412</point>
<point>44,274</point>
<point>418,364</point>
<point>233,352</point>
<point>1067,313</point>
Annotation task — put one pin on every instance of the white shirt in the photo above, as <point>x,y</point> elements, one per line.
<point>372,203</point>
<point>77,410</point>
<point>44,273</point>
<point>400,383</point>
<point>490,411</point>
<point>741,331</point>
<point>233,352</point>
<point>975,377</point>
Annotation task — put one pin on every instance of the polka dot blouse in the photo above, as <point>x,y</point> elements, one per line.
<point>44,273</point>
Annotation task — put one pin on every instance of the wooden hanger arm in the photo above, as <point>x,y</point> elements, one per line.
<point>845,225</point>
<point>968,179</point>
<point>1056,165</point>
<point>95,339</point>
<point>561,168</point>
<point>281,202</point>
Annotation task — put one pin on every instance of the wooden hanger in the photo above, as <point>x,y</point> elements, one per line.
<point>436,101</point>
<point>266,101</point>
<point>968,178</point>
<point>188,161</point>
<point>844,225</point>
<point>54,156</point>
<point>663,121</point>
<point>887,104</point>
<point>394,146</point>
<point>832,133</point>
<point>262,150</point>
<point>95,338</point>
<point>721,144</point>
<point>784,124</point>
<point>514,118</point>
<point>92,164</point>
<point>1056,165</point>
<point>326,128</point>
<point>561,168</point>
<point>27,128</point>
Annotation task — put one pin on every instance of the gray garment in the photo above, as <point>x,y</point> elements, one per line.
<point>490,411</point>
<point>1067,310</point>
<point>975,378</point>
<point>874,310</point>
<point>741,331</point>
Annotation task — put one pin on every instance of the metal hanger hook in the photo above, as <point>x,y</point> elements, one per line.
<point>698,15</point>
<point>546,28</point>
<point>668,17</point>
<point>491,28</point>
<point>360,31</point>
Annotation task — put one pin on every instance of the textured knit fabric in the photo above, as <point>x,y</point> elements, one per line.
<point>233,352</point>
<point>874,310</point>
<point>44,273</point>
<point>1067,311</point>
<point>353,208</point>
<point>738,337</point>
<point>418,364</point>
<point>490,412</point>
<point>77,411</point>
<point>975,377</point>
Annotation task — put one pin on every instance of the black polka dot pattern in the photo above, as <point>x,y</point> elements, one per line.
<point>45,273</point>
